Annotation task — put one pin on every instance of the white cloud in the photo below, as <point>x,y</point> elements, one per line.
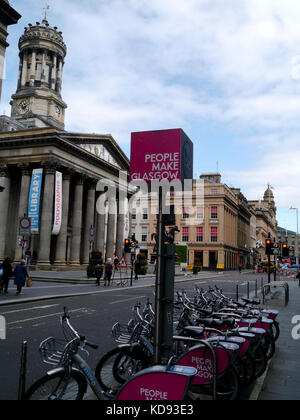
<point>140,64</point>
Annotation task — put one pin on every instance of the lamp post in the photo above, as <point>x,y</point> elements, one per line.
<point>297,213</point>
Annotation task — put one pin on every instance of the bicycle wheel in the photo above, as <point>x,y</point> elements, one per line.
<point>228,386</point>
<point>261,362</point>
<point>58,387</point>
<point>275,331</point>
<point>116,367</point>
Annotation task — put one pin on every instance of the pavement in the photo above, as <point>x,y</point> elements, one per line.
<point>282,381</point>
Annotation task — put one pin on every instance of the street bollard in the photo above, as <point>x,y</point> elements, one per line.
<point>237,292</point>
<point>256,289</point>
<point>248,290</point>
<point>23,369</point>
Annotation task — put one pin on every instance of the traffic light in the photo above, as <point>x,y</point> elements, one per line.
<point>269,247</point>
<point>285,250</point>
<point>127,246</point>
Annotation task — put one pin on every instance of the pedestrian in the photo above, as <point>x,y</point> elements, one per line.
<point>116,262</point>
<point>98,273</point>
<point>34,257</point>
<point>108,272</point>
<point>137,268</point>
<point>240,267</point>
<point>7,274</point>
<point>28,257</point>
<point>21,274</point>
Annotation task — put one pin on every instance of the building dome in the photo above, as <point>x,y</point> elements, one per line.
<point>268,194</point>
<point>42,35</point>
<point>38,101</point>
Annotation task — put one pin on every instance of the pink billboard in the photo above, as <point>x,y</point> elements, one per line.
<point>161,155</point>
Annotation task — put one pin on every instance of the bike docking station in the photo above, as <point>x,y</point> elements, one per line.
<point>159,158</point>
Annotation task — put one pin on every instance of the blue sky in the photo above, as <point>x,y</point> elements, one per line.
<point>227,72</point>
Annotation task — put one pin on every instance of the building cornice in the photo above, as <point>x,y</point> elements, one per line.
<point>53,137</point>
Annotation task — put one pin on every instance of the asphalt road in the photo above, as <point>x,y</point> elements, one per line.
<point>92,315</point>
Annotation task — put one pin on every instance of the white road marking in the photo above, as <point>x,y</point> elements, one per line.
<point>28,309</point>
<point>126,300</point>
<point>45,316</point>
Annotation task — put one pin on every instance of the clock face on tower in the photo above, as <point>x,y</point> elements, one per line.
<point>23,106</point>
<point>57,111</point>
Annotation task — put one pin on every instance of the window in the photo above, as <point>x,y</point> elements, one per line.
<point>214,234</point>
<point>145,214</point>
<point>200,213</point>
<point>214,213</point>
<point>214,191</point>
<point>144,235</point>
<point>199,234</point>
<point>186,213</point>
<point>185,234</point>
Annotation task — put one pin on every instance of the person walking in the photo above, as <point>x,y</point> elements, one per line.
<point>137,268</point>
<point>7,274</point>
<point>108,272</point>
<point>28,257</point>
<point>21,274</point>
<point>98,273</point>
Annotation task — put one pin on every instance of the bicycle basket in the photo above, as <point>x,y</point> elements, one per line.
<point>121,333</point>
<point>52,351</point>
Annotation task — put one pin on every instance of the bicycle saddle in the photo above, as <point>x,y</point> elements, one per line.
<point>195,332</point>
<point>251,301</point>
<point>211,322</point>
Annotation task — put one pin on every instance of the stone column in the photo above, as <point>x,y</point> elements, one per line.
<point>59,75</point>
<point>47,215</point>
<point>77,223</point>
<point>61,245</point>
<point>32,68</point>
<point>53,74</point>
<point>4,203</point>
<point>23,202</point>
<point>24,70</point>
<point>111,228</point>
<point>120,233</point>
<point>89,220</point>
<point>43,78</point>
<point>100,232</point>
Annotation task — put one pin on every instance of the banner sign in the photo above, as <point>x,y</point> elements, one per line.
<point>161,155</point>
<point>35,198</point>
<point>58,204</point>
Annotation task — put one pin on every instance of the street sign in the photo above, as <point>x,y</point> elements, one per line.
<point>161,155</point>
<point>24,226</point>
<point>122,263</point>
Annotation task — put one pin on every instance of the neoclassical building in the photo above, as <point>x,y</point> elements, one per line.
<point>33,141</point>
<point>8,16</point>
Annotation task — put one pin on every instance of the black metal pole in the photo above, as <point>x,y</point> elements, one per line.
<point>22,379</point>
<point>158,283</point>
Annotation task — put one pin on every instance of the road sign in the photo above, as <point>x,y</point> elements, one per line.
<point>122,263</point>
<point>24,226</point>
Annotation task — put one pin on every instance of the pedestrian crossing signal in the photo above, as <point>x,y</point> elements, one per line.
<point>285,250</point>
<point>269,247</point>
<point>127,246</point>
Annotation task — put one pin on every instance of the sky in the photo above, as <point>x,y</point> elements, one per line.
<point>225,71</point>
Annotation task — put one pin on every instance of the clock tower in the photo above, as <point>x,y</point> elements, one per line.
<point>38,101</point>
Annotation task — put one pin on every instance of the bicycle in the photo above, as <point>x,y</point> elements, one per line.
<point>67,382</point>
